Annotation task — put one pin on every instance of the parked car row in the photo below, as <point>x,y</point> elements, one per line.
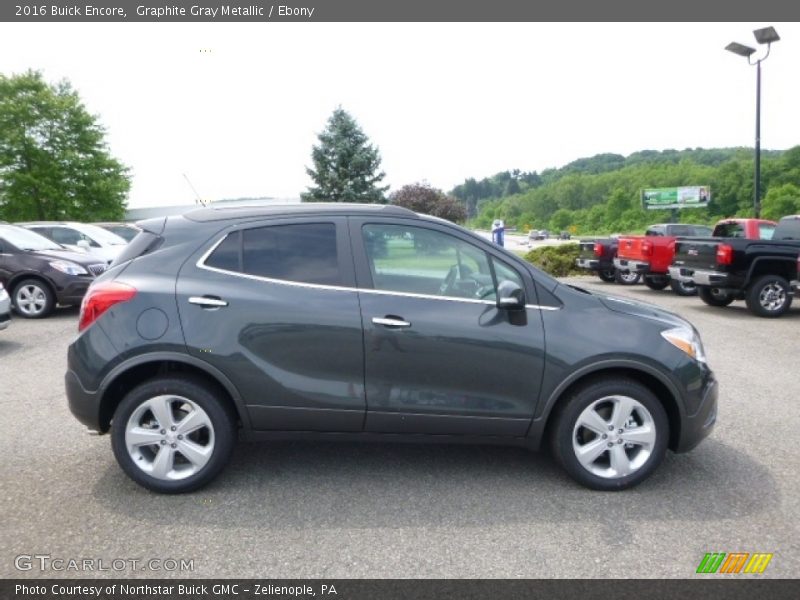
<point>48,263</point>
<point>754,260</point>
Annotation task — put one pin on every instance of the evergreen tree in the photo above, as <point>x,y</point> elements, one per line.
<point>346,166</point>
<point>54,163</point>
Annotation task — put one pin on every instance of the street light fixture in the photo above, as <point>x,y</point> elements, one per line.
<point>766,35</point>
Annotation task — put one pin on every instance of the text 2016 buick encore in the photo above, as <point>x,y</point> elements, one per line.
<point>371,322</point>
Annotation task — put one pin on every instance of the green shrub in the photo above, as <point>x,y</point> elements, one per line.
<point>558,261</point>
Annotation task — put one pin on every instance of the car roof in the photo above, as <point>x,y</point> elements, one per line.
<point>308,208</point>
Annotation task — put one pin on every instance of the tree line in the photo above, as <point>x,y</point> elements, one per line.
<point>602,194</point>
<point>55,164</point>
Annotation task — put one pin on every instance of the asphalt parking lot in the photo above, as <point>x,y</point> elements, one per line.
<point>383,510</point>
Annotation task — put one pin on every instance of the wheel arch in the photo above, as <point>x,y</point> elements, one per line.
<point>137,370</point>
<point>656,382</point>
<point>15,280</point>
<point>784,267</point>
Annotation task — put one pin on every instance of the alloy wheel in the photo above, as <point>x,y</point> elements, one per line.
<point>30,299</point>
<point>169,437</point>
<point>614,436</point>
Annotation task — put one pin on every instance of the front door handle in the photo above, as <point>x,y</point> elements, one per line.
<point>390,322</point>
<point>208,301</point>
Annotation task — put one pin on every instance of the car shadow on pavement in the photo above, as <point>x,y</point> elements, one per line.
<point>288,485</point>
<point>8,346</point>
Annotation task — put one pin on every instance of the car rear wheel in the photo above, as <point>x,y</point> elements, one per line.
<point>33,299</point>
<point>683,288</point>
<point>607,275</point>
<point>656,282</point>
<point>769,296</point>
<point>714,296</point>
<point>627,277</point>
<point>610,434</point>
<point>173,434</point>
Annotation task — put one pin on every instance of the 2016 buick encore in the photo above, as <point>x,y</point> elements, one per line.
<point>371,322</point>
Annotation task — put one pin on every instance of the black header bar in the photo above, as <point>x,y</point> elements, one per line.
<point>397,10</point>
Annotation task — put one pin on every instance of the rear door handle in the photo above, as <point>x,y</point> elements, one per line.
<point>390,322</point>
<point>208,301</point>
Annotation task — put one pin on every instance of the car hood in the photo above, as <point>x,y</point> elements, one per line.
<point>82,259</point>
<point>640,309</point>
<point>626,306</point>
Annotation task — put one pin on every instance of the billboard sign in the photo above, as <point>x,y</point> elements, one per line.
<point>696,196</point>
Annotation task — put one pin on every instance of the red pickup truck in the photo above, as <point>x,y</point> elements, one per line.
<point>652,254</point>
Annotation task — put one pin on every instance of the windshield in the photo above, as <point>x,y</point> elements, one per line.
<point>100,235</point>
<point>25,239</point>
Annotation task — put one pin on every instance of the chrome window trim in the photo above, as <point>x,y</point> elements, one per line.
<point>200,264</point>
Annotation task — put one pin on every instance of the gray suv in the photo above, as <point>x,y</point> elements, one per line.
<point>369,322</point>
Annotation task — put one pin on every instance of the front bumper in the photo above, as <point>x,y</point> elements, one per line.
<point>695,428</point>
<point>681,274</point>
<point>710,278</point>
<point>636,266</point>
<point>5,309</point>
<point>73,291</point>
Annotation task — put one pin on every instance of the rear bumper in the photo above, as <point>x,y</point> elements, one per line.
<point>588,263</point>
<point>83,404</point>
<point>681,274</point>
<point>697,427</point>
<point>710,278</point>
<point>636,266</point>
<point>795,286</point>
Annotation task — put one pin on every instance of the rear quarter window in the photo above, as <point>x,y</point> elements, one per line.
<point>140,245</point>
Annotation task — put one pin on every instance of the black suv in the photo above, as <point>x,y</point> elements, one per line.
<point>370,322</point>
<point>38,273</point>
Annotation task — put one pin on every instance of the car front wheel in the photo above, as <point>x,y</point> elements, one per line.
<point>33,299</point>
<point>610,434</point>
<point>173,434</point>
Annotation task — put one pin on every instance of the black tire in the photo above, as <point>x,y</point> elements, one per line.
<point>33,299</point>
<point>656,282</point>
<point>607,275</point>
<point>196,391</point>
<point>683,288</point>
<point>627,277</point>
<point>714,297</point>
<point>769,296</point>
<point>564,431</point>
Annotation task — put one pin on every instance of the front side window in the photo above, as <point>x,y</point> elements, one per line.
<point>303,253</point>
<point>415,260</point>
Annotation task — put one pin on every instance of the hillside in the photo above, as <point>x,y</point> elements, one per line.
<point>601,194</point>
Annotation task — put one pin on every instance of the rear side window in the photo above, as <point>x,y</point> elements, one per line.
<point>142,244</point>
<point>305,253</point>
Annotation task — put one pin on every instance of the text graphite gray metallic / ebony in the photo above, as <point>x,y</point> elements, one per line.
<point>371,322</point>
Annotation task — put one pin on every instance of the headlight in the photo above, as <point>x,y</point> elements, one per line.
<point>70,268</point>
<point>687,340</point>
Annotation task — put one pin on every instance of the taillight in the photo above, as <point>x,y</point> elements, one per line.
<point>100,298</point>
<point>598,249</point>
<point>724,254</point>
<point>647,248</point>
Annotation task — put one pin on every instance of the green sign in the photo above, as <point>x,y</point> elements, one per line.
<point>696,196</point>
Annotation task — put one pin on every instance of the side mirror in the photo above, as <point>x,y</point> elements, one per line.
<point>83,244</point>
<point>510,296</point>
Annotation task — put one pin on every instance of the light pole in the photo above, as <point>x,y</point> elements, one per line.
<point>767,35</point>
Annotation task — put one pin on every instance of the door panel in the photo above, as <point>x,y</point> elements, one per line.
<point>294,350</point>
<point>458,365</point>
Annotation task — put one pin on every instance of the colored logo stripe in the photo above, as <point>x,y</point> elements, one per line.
<point>734,562</point>
<point>758,563</point>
